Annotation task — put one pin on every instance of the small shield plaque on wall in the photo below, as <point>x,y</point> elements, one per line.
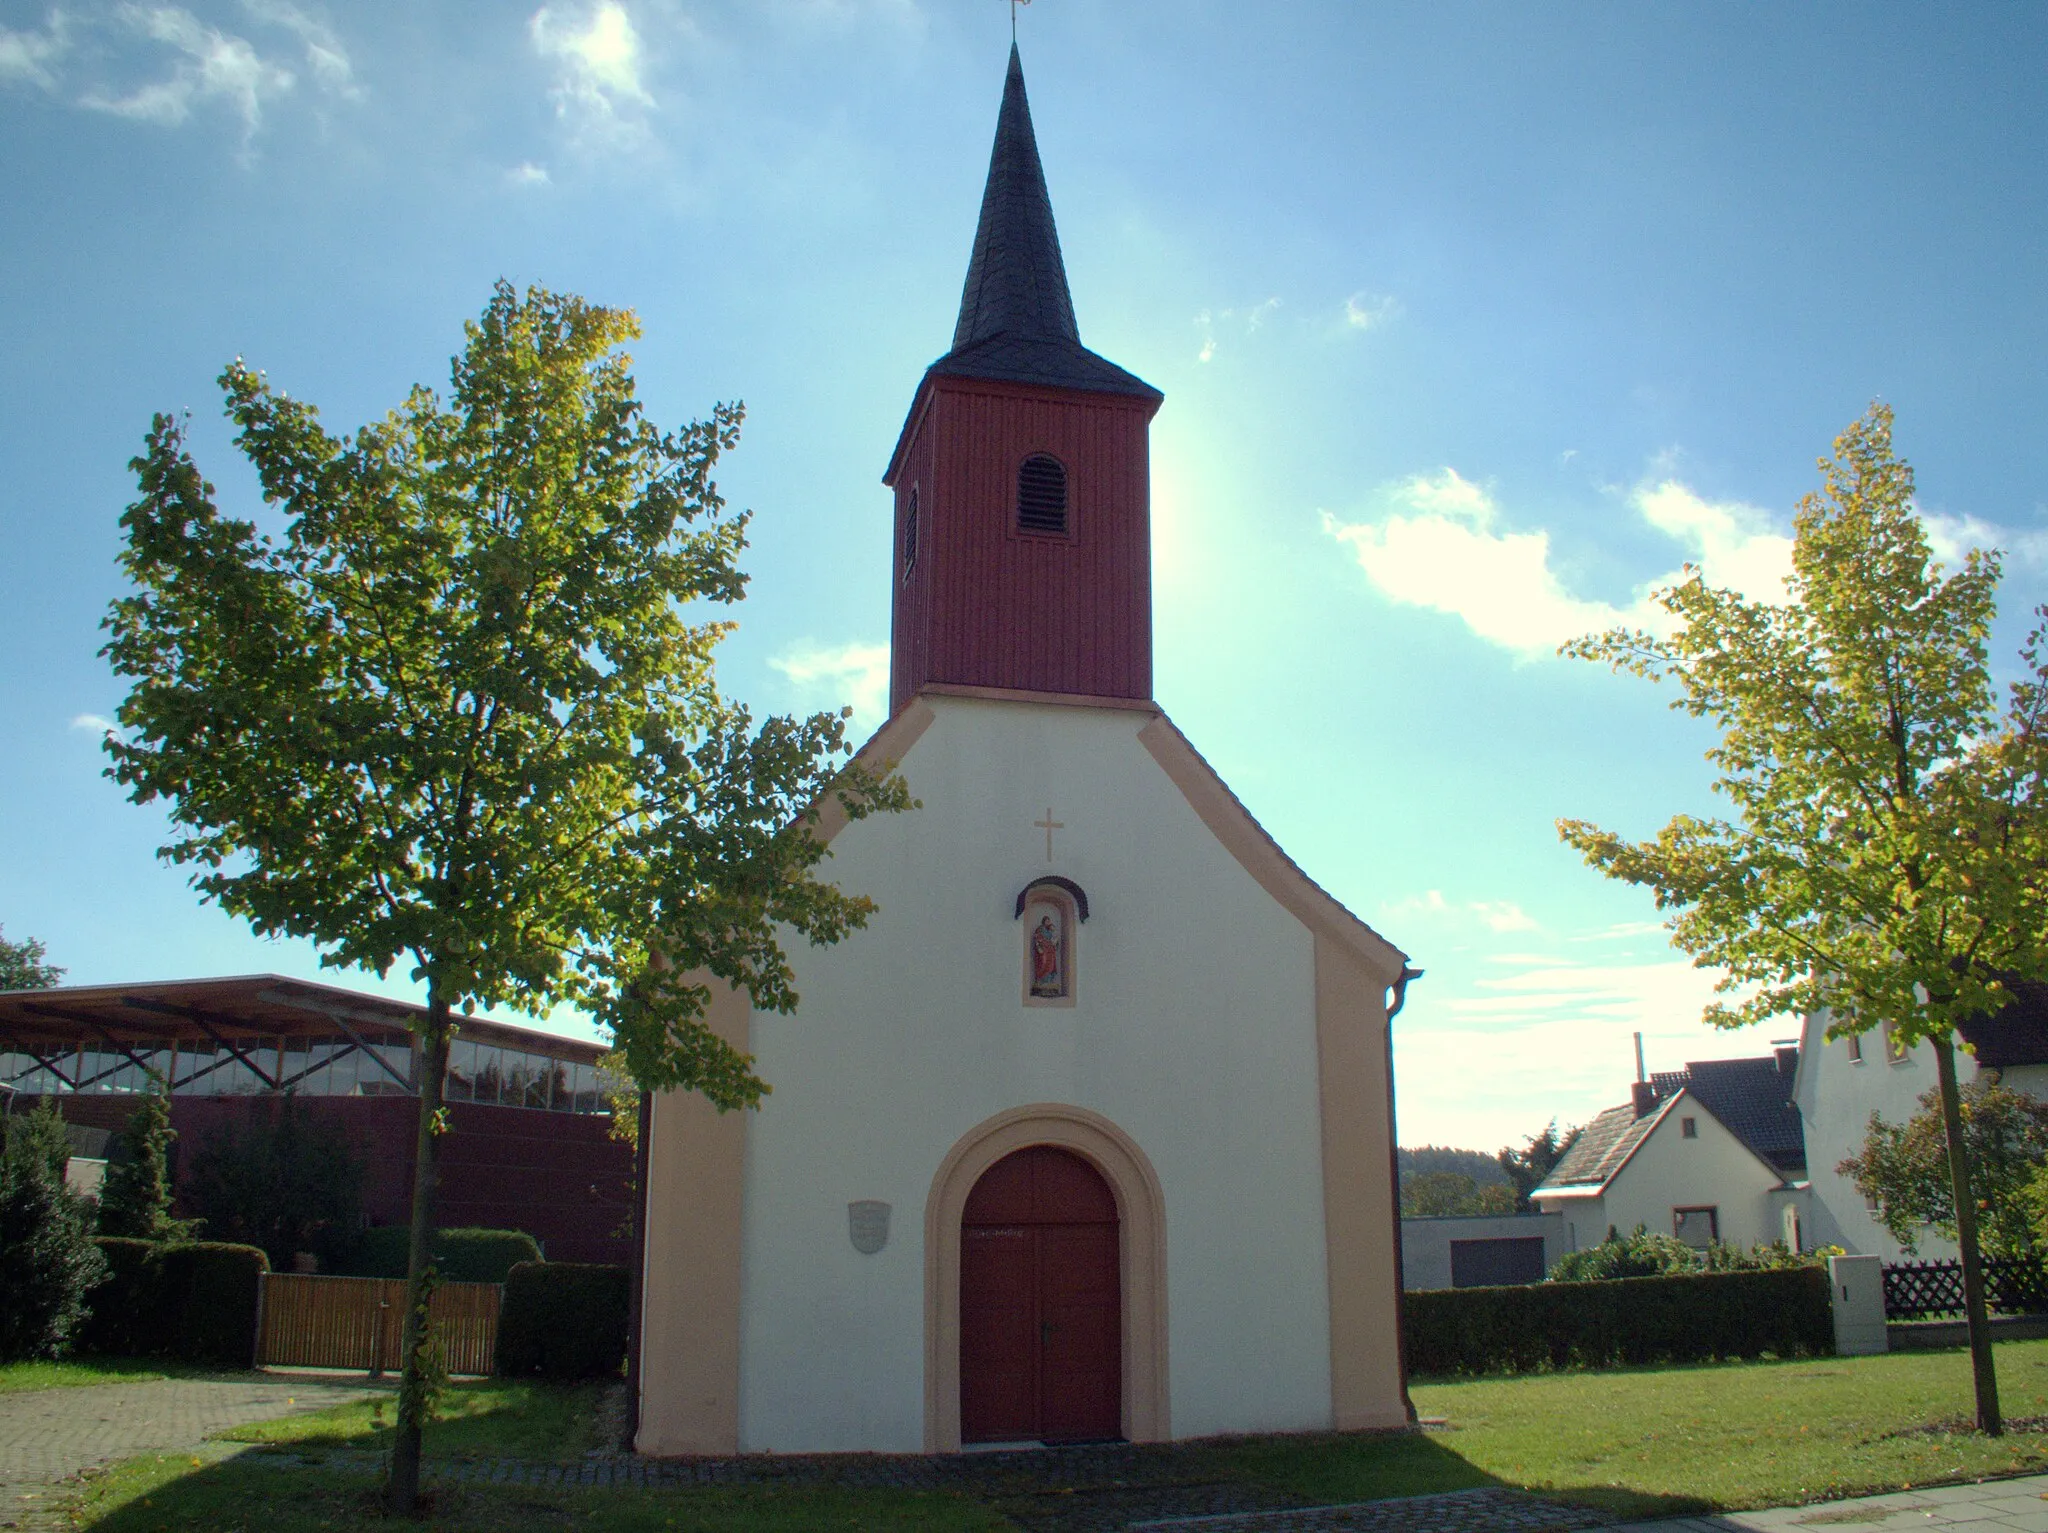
<point>867,1221</point>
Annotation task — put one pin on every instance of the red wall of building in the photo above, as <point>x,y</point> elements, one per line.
<point>558,1176</point>
<point>987,605</point>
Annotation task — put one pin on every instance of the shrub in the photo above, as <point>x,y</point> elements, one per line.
<point>285,1180</point>
<point>461,1255</point>
<point>136,1197</point>
<point>1691,1317</point>
<point>1643,1254</point>
<point>47,1260</point>
<point>562,1320</point>
<point>197,1301</point>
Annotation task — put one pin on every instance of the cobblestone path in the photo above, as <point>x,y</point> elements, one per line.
<point>47,1434</point>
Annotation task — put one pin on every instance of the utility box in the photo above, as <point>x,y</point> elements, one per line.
<point>1856,1287</point>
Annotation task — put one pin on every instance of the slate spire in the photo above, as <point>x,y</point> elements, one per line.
<point>1016,315</point>
<point>1016,282</point>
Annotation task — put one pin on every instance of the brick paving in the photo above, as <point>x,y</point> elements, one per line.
<point>49,1434</point>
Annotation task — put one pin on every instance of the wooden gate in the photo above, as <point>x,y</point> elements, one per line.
<point>348,1322</point>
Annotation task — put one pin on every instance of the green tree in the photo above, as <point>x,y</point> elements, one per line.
<point>135,1199</point>
<point>283,1180</point>
<point>1526,1168</point>
<point>1881,859</point>
<point>1450,1194</point>
<point>48,1263</point>
<point>22,966</point>
<point>461,713</point>
<point>1903,1168</point>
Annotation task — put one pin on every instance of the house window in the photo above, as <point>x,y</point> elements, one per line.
<point>1894,1046</point>
<point>1688,1128</point>
<point>910,531</point>
<point>1042,495</point>
<point>1855,1042</point>
<point>1697,1227</point>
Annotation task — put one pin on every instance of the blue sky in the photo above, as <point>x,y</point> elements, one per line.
<point>1474,321</point>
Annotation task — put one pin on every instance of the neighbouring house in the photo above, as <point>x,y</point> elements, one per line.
<point>1715,1151</point>
<point>528,1146</point>
<point>1844,1081</point>
<point>1089,1135</point>
<point>1480,1250</point>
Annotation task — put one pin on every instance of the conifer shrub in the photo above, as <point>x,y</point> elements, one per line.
<point>135,1200</point>
<point>197,1301</point>
<point>470,1255</point>
<point>562,1320</point>
<point>1619,1322</point>
<point>48,1263</point>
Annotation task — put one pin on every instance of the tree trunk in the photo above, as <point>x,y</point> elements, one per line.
<point>403,1494</point>
<point>1989,1421</point>
<point>635,1297</point>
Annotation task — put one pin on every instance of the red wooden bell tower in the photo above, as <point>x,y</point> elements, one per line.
<point>1023,543</point>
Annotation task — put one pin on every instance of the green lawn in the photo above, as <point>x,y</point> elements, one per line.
<point>168,1495</point>
<point>118,1370</point>
<point>1650,1442</point>
<point>482,1418</point>
<point>1742,1435</point>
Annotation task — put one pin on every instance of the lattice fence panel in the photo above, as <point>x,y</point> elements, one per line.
<point>1930,1290</point>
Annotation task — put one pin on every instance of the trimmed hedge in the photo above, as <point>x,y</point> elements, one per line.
<point>562,1320</point>
<point>462,1255</point>
<point>1619,1322</point>
<point>193,1300</point>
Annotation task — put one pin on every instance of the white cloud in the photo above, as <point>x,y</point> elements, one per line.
<point>1550,1038</point>
<point>325,55</point>
<point>853,673</point>
<point>215,65</point>
<point>1446,550</point>
<point>97,723</point>
<point>1495,915</point>
<point>527,174</point>
<point>1369,311</point>
<point>1209,321</point>
<point>27,56</point>
<point>600,57</point>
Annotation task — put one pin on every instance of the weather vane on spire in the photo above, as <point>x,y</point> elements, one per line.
<point>1013,19</point>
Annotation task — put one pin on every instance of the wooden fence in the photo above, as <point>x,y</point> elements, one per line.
<point>348,1322</point>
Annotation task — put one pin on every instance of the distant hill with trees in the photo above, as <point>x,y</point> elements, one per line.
<point>1483,1168</point>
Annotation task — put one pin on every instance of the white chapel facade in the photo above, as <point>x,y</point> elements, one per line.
<point>1089,1135</point>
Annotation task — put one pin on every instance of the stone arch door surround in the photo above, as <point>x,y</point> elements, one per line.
<point>1141,1211</point>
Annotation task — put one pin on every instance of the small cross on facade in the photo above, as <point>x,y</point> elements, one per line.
<point>1049,825</point>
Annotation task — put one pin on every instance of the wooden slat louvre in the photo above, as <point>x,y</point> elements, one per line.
<point>345,1322</point>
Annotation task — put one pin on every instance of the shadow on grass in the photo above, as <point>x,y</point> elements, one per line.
<point>1341,1467</point>
<point>245,1495</point>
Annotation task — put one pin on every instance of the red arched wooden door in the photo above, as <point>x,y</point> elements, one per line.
<point>1041,1306</point>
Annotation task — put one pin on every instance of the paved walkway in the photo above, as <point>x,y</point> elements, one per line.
<point>2020,1505</point>
<point>47,1434</point>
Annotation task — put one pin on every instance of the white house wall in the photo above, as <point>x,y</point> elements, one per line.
<point>1836,1095</point>
<point>1193,1030</point>
<point>1669,1171</point>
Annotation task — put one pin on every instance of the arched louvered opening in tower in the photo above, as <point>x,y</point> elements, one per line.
<point>1042,495</point>
<point>910,532</point>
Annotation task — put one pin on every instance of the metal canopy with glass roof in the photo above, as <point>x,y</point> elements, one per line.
<point>263,1033</point>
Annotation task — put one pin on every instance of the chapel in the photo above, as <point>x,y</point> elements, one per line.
<point>1089,1135</point>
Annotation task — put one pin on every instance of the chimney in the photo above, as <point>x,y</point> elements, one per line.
<point>1788,1059</point>
<point>1641,1073</point>
<point>1645,1099</point>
